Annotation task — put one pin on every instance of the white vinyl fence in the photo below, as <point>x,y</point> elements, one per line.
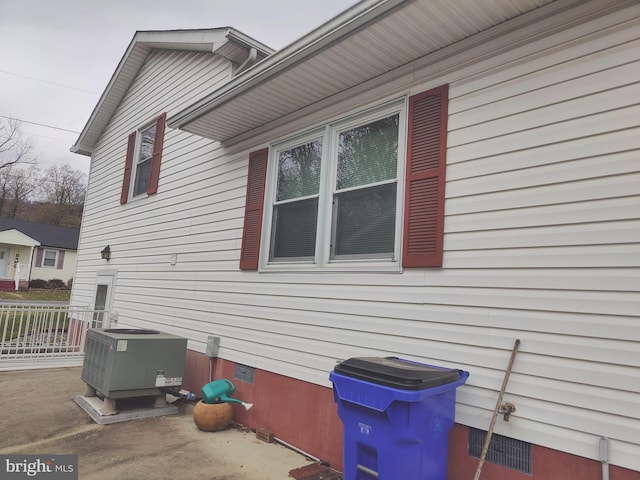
<point>45,335</point>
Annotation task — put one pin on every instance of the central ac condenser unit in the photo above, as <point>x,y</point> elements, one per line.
<point>123,362</point>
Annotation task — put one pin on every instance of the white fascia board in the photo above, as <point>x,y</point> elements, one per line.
<point>16,237</point>
<point>344,24</point>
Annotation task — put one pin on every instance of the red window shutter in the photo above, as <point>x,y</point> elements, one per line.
<point>39,253</point>
<point>158,141</point>
<point>60,259</point>
<point>128,165</point>
<point>250,252</point>
<point>425,178</point>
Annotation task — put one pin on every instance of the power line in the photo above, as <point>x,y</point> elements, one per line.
<point>30,134</point>
<point>39,124</point>
<point>50,83</point>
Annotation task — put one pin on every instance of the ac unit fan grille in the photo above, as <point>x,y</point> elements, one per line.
<point>94,367</point>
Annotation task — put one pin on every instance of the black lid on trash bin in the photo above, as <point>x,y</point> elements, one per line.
<point>397,373</point>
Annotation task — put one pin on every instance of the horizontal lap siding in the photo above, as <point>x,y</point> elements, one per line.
<point>169,81</point>
<point>542,243</point>
<point>542,233</point>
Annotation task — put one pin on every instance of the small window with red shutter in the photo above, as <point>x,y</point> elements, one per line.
<point>142,163</point>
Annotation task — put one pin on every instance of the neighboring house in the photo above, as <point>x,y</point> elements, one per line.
<point>30,251</point>
<point>424,179</point>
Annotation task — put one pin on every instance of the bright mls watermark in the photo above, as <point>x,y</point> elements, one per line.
<point>50,467</point>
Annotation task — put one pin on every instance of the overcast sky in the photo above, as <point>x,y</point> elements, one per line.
<point>57,56</point>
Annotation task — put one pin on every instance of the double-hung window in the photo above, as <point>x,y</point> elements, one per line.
<point>142,163</point>
<point>334,193</point>
<point>365,192</point>
<point>49,258</point>
<point>295,206</point>
<point>143,160</point>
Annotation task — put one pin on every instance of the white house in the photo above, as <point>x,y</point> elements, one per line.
<point>30,251</point>
<point>424,179</point>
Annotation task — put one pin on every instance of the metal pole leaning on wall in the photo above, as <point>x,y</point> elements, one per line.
<point>604,457</point>
<point>487,441</point>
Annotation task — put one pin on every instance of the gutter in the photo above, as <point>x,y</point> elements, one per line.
<point>248,63</point>
<point>331,32</point>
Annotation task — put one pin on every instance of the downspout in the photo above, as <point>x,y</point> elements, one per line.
<point>249,61</point>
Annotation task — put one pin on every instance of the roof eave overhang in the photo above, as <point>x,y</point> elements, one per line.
<point>331,32</point>
<point>208,40</point>
<point>247,104</point>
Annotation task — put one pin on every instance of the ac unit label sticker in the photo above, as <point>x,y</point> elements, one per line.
<point>162,381</point>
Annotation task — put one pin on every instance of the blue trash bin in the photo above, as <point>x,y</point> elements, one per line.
<point>397,415</point>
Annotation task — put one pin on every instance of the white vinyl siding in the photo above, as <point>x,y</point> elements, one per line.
<point>542,242</point>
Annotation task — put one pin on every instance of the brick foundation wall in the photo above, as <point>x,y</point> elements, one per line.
<point>305,415</point>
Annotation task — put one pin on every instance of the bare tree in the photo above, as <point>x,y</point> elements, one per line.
<point>63,190</point>
<point>21,183</point>
<point>14,148</point>
<point>55,197</point>
<point>5,177</point>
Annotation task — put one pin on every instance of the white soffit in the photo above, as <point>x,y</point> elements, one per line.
<point>370,39</point>
<point>226,42</point>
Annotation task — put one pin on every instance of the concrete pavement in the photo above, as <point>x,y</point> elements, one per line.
<point>39,416</point>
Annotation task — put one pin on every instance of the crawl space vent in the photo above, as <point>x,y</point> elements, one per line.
<point>244,373</point>
<point>503,451</point>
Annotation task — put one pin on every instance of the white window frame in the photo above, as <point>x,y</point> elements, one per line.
<point>137,160</point>
<point>329,133</point>
<point>55,259</point>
